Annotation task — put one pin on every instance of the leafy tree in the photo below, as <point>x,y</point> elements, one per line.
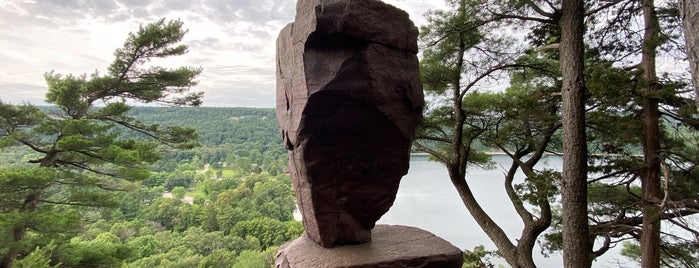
<point>179,192</point>
<point>478,258</point>
<point>270,232</point>
<point>86,145</point>
<point>39,258</point>
<point>106,250</point>
<point>218,258</point>
<point>132,202</point>
<point>250,259</point>
<point>178,179</point>
<point>144,246</point>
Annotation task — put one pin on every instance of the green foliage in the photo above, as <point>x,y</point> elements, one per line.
<point>462,57</point>
<point>540,187</point>
<point>250,259</point>
<point>105,251</point>
<point>270,232</point>
<point>39,258</point>
<point>178,192</point>
<point>678,255</point>
<point>615,124</point>
<point>218,258</point>
<point>632,251</point>
<point>235,141</point>
<point>144,246</point>
<point>478,258</point>
<point>49,223</point>
<point>524,119</point>
<point>178,179</point>
<point>156,40</point>
<point>239,208</point>
<point>82,152</point>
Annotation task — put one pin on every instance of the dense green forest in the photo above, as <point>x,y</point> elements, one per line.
<point>225,203</point>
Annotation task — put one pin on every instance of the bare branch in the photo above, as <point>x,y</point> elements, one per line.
<point>666,187</point>
<point>553,46</point>
<point>541,11</point>
<point>432,152</point>
<point>603,7</point>
<point>32,146</point>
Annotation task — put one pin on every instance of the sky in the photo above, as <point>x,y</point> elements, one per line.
<point>232,40</point>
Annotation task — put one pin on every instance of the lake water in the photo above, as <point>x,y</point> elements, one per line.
<point>427,199</point>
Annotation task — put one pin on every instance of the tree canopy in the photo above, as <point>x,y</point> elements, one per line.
<point>593,77</point>
<point>85,146</point>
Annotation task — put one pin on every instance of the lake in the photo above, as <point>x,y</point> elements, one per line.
<point>426,199</point>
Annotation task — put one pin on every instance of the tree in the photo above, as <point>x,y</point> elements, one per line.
<point>218,258</point>
<point>39,258</point>
<point>689,12</point>
<point>250,259</point>
<point>449,132</point>
<point>178,192</point>
<point>659,124</point>
<point>86,146</point>
<point>569,20</point>
<point>576,238</point>
<point>650,174</point>
<point>459,58</point>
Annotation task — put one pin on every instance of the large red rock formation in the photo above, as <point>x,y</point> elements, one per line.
<point>349,100</point>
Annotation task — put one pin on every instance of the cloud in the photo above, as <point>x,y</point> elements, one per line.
<point>62,12</point>
<point>234,41</point>
<point>257,11</point>
<point>17,93</point>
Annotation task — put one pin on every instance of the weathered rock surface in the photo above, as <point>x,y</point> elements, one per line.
<point>393,246</point>
<point>348,101</point>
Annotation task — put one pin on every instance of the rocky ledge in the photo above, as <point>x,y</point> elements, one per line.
<point>392,246</point>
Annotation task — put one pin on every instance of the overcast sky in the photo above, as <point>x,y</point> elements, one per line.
<point>232,40</point>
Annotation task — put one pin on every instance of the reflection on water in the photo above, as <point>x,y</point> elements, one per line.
<point>427,199</point>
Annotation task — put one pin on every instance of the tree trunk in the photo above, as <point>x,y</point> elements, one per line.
<point>650,116</point>
<point>18,232</point>
<point>689,10</point>
<point>28,206</point>
<point>576,240</point>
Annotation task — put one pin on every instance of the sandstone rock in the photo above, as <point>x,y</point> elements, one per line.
<point>393,246</point>
<point>348,101</point>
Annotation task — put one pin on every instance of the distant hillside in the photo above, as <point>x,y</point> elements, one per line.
<point>227,135</point>
<point>218,126</point>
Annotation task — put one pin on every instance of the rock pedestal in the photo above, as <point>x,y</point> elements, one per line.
<point>392,246</point>
<point>349,99</point>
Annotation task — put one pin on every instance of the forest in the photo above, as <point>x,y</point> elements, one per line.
<point>92,181</point>
<point>224,203</point>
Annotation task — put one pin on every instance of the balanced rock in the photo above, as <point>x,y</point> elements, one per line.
<point>349,100</point>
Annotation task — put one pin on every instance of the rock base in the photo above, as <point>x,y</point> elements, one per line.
<point>391,246</point>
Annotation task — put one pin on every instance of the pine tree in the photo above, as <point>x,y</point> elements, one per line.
<point>86,146</point>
